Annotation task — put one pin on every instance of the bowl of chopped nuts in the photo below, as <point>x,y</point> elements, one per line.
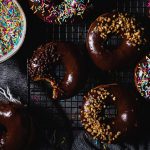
<point>12,28</point>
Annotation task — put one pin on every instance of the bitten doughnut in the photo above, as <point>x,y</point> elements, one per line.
<point>59,11</point>
<point>114,24</point>
<point>108,113</point>
<point>45,60</point>
<point>142,76</point>
<point>16,127</point>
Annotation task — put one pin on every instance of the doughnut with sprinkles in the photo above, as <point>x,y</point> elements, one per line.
<point>60,11</point>
<point>142,76</point>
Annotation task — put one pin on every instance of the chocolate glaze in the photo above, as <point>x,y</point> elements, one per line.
<point>48,5</point>
<point>19,132</point>
<point>124,121</point>
<point>47,57</point>
<point>142,76</point>
<point>108,59</point>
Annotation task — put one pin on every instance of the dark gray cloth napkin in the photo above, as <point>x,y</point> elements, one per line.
<point>85,142</point>
<point>12,77</point>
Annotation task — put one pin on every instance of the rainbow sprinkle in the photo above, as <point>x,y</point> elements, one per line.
<point>58,14</point>
<point>142,77</point>
<point>11,26</point>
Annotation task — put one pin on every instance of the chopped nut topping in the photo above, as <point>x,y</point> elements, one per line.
<point>92,122</point>
<point>123,25</point>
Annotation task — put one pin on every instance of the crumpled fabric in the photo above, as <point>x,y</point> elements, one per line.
<point>13,78</point>
<point>85,142</point>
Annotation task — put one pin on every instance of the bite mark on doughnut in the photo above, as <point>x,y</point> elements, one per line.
<point>45,60</point>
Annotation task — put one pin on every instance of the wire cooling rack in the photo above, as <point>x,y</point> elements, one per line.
<point>77,34</point>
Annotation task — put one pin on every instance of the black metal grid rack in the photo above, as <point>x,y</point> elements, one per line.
<point>77,34</point>
<point>137,7</point>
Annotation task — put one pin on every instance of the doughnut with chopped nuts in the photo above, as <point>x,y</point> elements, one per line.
<point>48,57</point>
<point>142,76</point>
<point>60,11</point>
<point>123,26</point>
<point>108,113</point>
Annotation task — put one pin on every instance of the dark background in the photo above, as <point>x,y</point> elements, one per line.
<point>61,119</point>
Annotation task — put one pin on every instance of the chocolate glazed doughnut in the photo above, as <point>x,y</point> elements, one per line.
<point>108,113</point>
<point>45,60</point>
<point>60,11</point>
<point>16,128</point>
<point>104,27</point>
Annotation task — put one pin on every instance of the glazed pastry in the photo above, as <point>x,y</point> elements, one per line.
<point>142,76</point>
<point>16,127</point>
<point>104,27</point>
<point>108,113</point>
<point>60,11</point>
<point>46,59</point>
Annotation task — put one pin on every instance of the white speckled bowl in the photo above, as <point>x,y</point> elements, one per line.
<point>17,47</point>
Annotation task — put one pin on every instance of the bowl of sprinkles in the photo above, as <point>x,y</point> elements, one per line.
<point>142,76</point>
<point>12,28</point>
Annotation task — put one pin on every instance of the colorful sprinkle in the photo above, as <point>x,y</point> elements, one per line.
<point>142,77</point>
<point>58,14</point>
<point>11,26</point>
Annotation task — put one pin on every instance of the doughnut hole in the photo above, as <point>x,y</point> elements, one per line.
<point>113,42</point>
<point>59,72</point>
<point>108,112</point>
